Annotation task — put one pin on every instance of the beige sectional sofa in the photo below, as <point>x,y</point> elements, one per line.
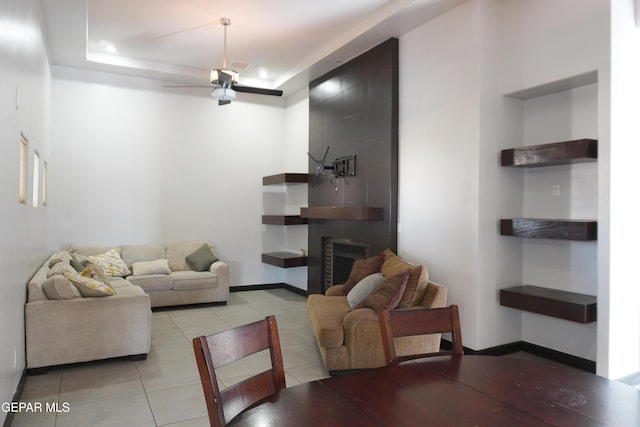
<point>75,328</point>
<point>350,338</point>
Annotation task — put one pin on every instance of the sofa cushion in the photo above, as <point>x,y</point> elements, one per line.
<point>188,280</point>
<point>177,252</point>
<point>152,282</point>
<point>387,296</point>
<point>64,257</point>
<point>89,287</point>
<point>363,288</point>
<point>144,268</point>
<point>362,268</point>
<point>95,272</point>
<point>418,279</point>
<point>201,259</point>
<point>59,287</point>
<point>87,250</point>
<point>118,283</point>
<point>60,268</point>
<point>137,253</point>
<point>111,263</point>
<point>326,314</point>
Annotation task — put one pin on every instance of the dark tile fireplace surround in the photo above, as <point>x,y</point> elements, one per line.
<point>353,110</point>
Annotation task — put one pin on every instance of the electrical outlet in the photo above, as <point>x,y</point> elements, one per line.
<point>555,190</point>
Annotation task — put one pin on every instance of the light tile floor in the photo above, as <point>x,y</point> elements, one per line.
<point>164,389</point>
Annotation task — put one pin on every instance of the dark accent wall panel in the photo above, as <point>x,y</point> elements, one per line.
<point>353,110</point>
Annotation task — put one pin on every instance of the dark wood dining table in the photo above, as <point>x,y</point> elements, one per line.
<point>445,391</point>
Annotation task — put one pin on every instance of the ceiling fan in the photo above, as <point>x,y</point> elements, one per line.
<point>224,81</point>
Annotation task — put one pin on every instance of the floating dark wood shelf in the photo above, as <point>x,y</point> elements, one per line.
<point>557,153</point>
<point>286,178</point>
<point>551,302</point>
<point>284,259</point>
<point>284,219</point>
<point>583,230</point>
<point>357,213</point>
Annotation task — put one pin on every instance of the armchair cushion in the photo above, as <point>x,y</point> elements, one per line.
<point>418,279</point>
<point>363,288</point>
<point>362,268</point>
<point>388,295</point>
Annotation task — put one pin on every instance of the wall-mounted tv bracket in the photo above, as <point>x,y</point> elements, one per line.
<point>341,167</point>
<point>320,166</point>
<point>344,166</point>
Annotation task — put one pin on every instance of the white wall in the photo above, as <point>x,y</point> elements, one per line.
<point>438,155</point>
<point>455,119</point>
<point>296,196</point>
<point>24,108</point>
<point>135,163</point>
<point>619,309</point>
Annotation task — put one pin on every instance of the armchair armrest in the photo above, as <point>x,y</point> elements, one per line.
<point>363,338</point>
<point>335,290</point>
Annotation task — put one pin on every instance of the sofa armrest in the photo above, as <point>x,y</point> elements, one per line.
<point>221,269</point>
<point>335,290</point>
<point>83,329</point>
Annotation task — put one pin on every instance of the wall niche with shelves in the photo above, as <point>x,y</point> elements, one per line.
<point>557,224</point>
<point>284,258</point>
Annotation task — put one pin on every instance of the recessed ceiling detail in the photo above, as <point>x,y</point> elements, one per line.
<point>178,40</point>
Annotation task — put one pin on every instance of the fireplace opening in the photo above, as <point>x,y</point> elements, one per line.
<point>339,258</point>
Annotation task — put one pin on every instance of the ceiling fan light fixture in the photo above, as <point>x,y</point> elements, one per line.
<point>224,94</point>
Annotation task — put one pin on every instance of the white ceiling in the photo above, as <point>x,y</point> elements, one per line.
<point>180,40</point>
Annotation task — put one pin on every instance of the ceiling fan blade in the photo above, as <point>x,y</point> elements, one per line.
<point>257,90</point>
<point>223,102</point>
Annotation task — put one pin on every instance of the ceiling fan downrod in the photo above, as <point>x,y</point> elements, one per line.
<point>225,23</point>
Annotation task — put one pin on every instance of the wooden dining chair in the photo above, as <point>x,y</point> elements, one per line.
<point>217,350</point>
<point>423,321</point>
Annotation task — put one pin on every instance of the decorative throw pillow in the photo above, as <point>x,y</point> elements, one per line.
<point>94,272</point>
<point>388,295</point>
<point>63,256</point>
<point>418,280</point>
<point>78,262</point>
<point>158,266</point>
<point>111,263</point>
<point>201,259</point>
<point>60,268</point>
<point>362,268</point>
<point>89,287</point>
<point>59,287</point>
<point>363,288</point>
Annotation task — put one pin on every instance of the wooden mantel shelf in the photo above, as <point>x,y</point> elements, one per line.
<point>551,302</point>
<point>584,230</point>
<point>356,213</point>
<point>284,259</point>
<point>286,178</point>
<point>556,153</point>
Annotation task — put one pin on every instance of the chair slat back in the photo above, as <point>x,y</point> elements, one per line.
<point>423,321</point>
<point>217,350</point>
